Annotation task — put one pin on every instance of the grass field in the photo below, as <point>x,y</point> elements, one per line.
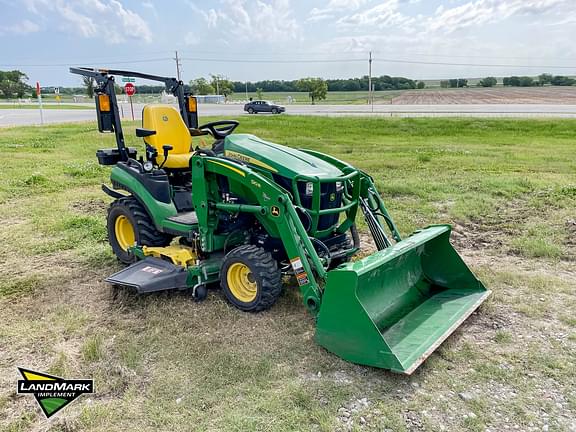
<point>163,362</point>
<point>332,98</point>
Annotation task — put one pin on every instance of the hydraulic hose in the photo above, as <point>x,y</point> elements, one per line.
<point>355,236</point>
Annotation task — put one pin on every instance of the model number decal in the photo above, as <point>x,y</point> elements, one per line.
<point>153,270</point>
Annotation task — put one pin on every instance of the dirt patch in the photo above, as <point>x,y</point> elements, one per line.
<point>530,95</point>
<point>571,229</point>
<point>527,266</point>
<point>473,235</point>
<point>90,207</point>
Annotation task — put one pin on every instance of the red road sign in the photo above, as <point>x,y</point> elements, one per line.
<point>130,89</point>
<point>37,88</point>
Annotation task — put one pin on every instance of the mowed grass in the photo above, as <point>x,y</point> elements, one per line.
<point>163,362</point>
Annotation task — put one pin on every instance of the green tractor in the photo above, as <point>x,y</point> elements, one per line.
<point>247,212</point>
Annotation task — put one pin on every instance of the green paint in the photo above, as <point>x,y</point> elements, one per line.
<point>53,404</point>
<point>393,308</point>
<point>388,310</point>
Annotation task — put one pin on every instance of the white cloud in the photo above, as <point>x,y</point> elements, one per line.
<point>385,14</point>
<point>109,20</point>
<point>21,28</point>
<point>334,7</point>
<point>479,12</point>
<point>271,20</point>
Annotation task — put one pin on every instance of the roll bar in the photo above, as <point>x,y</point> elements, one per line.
<point>105,80</point>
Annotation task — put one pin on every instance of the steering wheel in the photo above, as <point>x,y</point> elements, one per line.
<point>227,127</point>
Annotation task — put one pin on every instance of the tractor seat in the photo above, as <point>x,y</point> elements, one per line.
<point>171,130</point>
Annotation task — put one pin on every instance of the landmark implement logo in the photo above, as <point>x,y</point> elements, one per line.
<point>51,392</point>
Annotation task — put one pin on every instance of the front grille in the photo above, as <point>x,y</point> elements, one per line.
<point>326,191</point>
<point>329,199</point>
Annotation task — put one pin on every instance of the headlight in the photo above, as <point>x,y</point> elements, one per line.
<point>339,186</point>
<point>309,188</point>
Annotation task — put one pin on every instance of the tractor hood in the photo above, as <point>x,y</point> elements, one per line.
<point>276,158</point>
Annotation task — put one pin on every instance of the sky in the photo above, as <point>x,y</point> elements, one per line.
<point>250,40</point>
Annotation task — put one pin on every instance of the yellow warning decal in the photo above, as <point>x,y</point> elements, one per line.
<point>249,160</point>
<point>236,170</point>
<point>299,271</point>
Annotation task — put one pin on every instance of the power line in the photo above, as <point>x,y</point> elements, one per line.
<point>473,64</point>
<point>92,58</point>
<point>221,60</point>
<point>410,53</point>
<point>76,62</point>
<point>381,60</point>
<point>481,56</point>
<point>302,61</point>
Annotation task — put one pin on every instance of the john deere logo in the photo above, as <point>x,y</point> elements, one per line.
<point>165,118</point>
<point>51,392</point>
<point>275,211</point>
<point>332,196</point>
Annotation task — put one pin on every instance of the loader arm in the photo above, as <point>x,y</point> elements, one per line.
<point>272,207</point>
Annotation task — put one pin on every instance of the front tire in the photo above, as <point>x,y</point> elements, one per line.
<point>129,224</point>
<point>250,278</point>
<point>251,111</point>
<point>274,111</point>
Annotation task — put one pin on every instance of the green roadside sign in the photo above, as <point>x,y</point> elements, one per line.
<point>128,80</point>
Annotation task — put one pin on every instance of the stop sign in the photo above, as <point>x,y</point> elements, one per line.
<point>130,89</point>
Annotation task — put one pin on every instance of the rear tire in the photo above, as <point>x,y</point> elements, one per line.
<point>250,278</point>
<point>129,224</point>
<point>251,111</point>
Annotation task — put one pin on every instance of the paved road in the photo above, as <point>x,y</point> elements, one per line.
<point>15,117</point>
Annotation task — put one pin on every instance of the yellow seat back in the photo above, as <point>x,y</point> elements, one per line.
<point>170,130</point>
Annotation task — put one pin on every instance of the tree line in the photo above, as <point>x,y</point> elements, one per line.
<point>513,81</point>
<point>384,82</point>
<point>13,84</point>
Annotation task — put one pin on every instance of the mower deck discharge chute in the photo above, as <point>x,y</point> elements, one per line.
<point>247,212</point>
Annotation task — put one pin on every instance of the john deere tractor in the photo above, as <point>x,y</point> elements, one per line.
<point>246,212</point>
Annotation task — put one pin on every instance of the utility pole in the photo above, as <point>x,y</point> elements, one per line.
<point>178,65</point>
<point>370,78</point>
<point>246,90</point>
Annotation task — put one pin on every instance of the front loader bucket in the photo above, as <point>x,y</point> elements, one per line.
<point>392,309</point>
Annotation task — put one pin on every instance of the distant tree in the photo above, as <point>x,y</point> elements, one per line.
<point>421,85</point>
<point>201,86</point>
<point>315,87</point>
<point>488,82</point>
<point>545,79</point>
<point>562,81</point>
<point>526,81</point>
<point>13,84</point>
<point>457,83</point>
<point>515,81</point>
<point>259,93</point>
<point>88,84</point>
<point>222,85</point>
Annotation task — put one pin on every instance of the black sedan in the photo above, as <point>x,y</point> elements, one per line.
<point>254,107</point>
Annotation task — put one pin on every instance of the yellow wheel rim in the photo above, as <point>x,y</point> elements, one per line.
<point>124,232</point>
<point>241,282</point>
